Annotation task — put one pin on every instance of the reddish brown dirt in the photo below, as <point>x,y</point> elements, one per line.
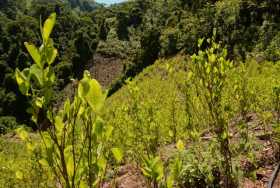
<point>106,69</point>
<point>265,156</point>
<point>129,176</point>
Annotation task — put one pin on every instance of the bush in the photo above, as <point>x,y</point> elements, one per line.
<point>7,123</point>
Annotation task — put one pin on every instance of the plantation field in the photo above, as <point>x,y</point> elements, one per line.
<point>154,111</point>
<point>140,94</point>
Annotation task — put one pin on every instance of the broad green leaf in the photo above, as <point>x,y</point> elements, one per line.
<point>44,162</point>
<point>23,134</point>
<point>34,52</point>
<point>109,131</point>
<point>22,82</point>
<point>48,26</point>
<point>69,160</point>
<point>70,165</point>
<point>98,126</point>
<point>67,106</point>
<point>19,175</point>
<point>159,169</point>
<point>91,92</point>
<point>83,184</point>
<point>200,42</point>
<point>59,124</point>
<point>52,56</point>
<point>39,101</point>
<point>180,145</point>
<point>118,154</point>
<point>170,181</point>
<point>47,140</point>
<point>102,163</point>
<point>37,73</point>
<point>30,147</point>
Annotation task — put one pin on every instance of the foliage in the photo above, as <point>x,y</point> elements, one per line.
<point>199,101</point>
<point>7,123</point>
<point>153,170</point>
<point>210,68</point>
<point>196,167</point>
<point>74,146</point>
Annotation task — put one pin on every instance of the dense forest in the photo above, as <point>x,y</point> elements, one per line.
<point>187,93</point>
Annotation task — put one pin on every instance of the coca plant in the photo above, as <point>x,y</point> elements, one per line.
<point>74,146</point>
<point>210,68</point>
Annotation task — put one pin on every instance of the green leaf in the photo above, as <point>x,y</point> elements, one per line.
<point>52,56</point>
<point>30,147</point>
<point>22,82</point>
<point>200,42</point>
<point>47,140</point>
<point>118,154</point>
<point>91,92</point>
<point>109,131</point>
<point>37,73</point>
<point>67,106</point>
<point>102,163</point>
<point>70,165</point>
<point>180,145</point>
<point>98,126</point>
<point>43,162</point>
<point>59,124</point>
<point>48,26</point>
<point>83,184</point>
<point>23,134</point>
<point>19,175</point>
<point>212,58</point>
<point>34,52</point>
<point>170,181</point>
<point>39,101</point>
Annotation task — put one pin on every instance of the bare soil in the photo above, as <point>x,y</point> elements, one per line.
<point>106,69</point>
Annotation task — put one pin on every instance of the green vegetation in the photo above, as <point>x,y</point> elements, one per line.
<point>196,105</point>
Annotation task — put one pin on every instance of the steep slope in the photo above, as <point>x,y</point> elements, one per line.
<point>154,110</point>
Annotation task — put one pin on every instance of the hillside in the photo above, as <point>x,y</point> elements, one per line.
<point>140,94</point>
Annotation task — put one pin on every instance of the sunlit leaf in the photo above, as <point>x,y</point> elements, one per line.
<point>39,101</point>
<point>180,145</point>
<point>34,52</point>
<point>22,82</point>
<point>83,184</point>
<point>44,162</point>
<point>23,134</point>
<point>19,175</point>
<point>118,154</point>
<point>52,56</point>
<point>91,91</point>
<point>37,73</point>
<point>102,163</point>
<point>98,126</point>
<point>70,165</point>
<point>48,26</point>
<point>170,182</point>
<point>59,124</point>
<point>30,147</point>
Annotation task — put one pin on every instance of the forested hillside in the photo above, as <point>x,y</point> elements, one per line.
<point>178,75</point>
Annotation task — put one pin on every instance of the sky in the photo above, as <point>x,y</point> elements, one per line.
<point>109,1</point>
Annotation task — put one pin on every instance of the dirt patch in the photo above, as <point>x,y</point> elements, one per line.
<point>128,176</point>
<point>106,69</point>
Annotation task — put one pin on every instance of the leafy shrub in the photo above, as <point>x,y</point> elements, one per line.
<point>73,146</point>
<point>197,167</point>
<point>7,123</point>
<point>210,68</point>
<point>272,52</point>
